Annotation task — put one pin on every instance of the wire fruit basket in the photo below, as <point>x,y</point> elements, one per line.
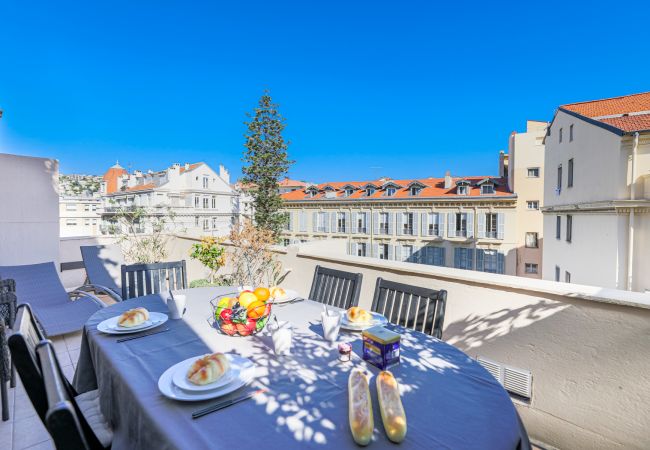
<point>242,314</point>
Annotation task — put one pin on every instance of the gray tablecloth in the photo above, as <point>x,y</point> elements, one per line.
<point>450,400</point>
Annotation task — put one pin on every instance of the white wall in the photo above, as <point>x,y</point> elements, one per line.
<point>29,210</point>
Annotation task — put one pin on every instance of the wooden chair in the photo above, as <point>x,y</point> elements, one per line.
<point>70,426</point>
<point>336,287</point>
<point>146,279</point>
<point>417,308</point>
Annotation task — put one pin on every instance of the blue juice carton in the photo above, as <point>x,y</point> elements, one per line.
<point>381,347</point>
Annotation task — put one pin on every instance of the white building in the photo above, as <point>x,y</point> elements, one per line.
<point>467,223</point>
<point>201,200</point>
<point>597,193</point>
<point>80,216</point>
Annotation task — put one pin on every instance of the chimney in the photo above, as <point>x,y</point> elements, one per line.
<point>447,180</point>
<point>224,174</point>
<point>187,166</point>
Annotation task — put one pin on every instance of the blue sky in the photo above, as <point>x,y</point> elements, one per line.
<point>399,89</point>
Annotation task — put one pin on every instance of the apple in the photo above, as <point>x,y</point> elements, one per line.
<point>226,315</point>
<point>247,327</point>
<point>229,328</point>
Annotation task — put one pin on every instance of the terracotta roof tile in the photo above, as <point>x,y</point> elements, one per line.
<point>191,167</point>
<point>111,176</point>
<point>638,122</point>
<point>291,183</point>
<point>434,187</point>
<point>611,106</point>
<point>140,187</point>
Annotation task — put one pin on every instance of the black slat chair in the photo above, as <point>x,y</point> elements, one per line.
<point>64,419</point>
<point>22,344</point>
<point>336,287</point>
<point>146,279</point>
<point>420,309</point>
<point>5,372</point>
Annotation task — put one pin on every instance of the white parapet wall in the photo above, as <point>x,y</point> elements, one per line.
<point>588,348</point>
<point>29,210</point>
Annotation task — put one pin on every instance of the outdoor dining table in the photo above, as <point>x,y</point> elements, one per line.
<point>450,400</point>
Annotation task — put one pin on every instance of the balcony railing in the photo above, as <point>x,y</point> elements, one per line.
<point>383,228</point>
<point>407,230</point>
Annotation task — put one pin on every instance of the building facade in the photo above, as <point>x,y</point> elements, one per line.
<point>597,193</point>
<point>199,200</point>
<point>80,216</point>
<point>467,223</point>
<point>525,169</point>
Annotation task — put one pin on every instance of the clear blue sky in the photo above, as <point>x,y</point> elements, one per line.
<point>399,89</point>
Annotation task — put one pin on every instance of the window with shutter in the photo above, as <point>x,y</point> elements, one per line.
<point>451,224</point>
<point>355,224</point>
<point>481,225</point>
<point>390,223</point>
<point>470,225</point>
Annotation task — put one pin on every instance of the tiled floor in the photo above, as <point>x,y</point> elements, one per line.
<point>24,429</point>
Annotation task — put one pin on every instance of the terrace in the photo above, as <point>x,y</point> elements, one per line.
<point>586,348</point>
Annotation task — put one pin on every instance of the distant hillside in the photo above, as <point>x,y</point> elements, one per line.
<point>79,185</point>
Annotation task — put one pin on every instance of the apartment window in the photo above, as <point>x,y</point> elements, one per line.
<point>286,242</point>
<point>558,188</point>
<point>533,172</point>
<point>383,251</point>
<point>71,222</point>
<point>408,223</point>
<point>322,222</point>
<point>569,181</point>
<point>461,224</point>
<point>558,227</point>
<point>205,182</point>
<point>214,223</point>
<point>571,133</point>
<point>433,225</point>
<point>561,135</point>
<point>196,221</point>
<point>94,208</point>
<point>390,191</point>
<point>206,224</point>
<point>362,249</point>
<point>383,223</point>
<point>532,204</point>
<point>531,268</point>
<point>312,193</point>
<point>94,221</point>
<point>205,203</point>
<point>487,189</point>
<point>369,192</point>
<point>531,240</point>
<point>70,207</point>
<point>340,222</point>
<point>86,207</point>
<point>490,261</point>
<point>434,256</point>
<point>557,273</point>
<point>567,277</point>
<point>415,190</point>
<point>407,253</point>
<point>214,202</point>
<point>349,192</point>
<point>569,227</point>
<point>87,222</point>
<point>196,201</point>
<point>462,190</point>
<point>464,258</point>
<point>491,225</point>
<point>361,223</point>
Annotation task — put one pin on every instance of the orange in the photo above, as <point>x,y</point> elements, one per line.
<point>246,298</point>
<point>256,309</point>
<point>262,293</point>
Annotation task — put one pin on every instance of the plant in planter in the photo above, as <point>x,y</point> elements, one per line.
<point>211,254</point>
<point>253,263</point>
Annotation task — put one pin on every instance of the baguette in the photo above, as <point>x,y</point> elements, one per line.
<point>360,407</point>
<point>390,405</point>
<point>208,369</point>
<point>133,317</point>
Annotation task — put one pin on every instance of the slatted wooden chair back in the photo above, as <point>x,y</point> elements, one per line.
<point>413,307</point>
<point>64,420</point>
<point>336,287</point>
<point>146,279</point>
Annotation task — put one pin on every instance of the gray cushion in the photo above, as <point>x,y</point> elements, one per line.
<point>88,403</point>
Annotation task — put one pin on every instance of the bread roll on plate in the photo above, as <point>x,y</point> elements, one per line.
<point>358,315</point>
<point>390,405</point>
<point>278,293</point>
<point>360,407</point>
<point>208,369</point>
<point>133,317</point>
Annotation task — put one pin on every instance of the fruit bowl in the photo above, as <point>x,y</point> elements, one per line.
<point>244,314</point>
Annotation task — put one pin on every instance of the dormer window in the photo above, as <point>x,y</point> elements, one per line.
<point>390,191</point>
<point>462,190</point>
<point>415,190</point>
<point>487,189</point>
<point>369,192</point>
<point>311,192</point>
<point>349,192</point>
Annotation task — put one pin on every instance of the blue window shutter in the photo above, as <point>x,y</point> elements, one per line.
<point>479,259</point>
<point>390,223</point>
<point>500,226</point>
<point>451,229</point>
<point>400,222</point>
<point>481,225</point>
<point>416,224</point>
<point>457,257</point>
<point>425,224</point>
<point>470,258</point>
<point>470,224</point>
<point>314,221</point>
<point>354,223</point>
<point>375,223</point>
<point>391,252</point>
<point>303,221</point>
<point>441,224</point>
<point>346,215</point>
<point>334,221</point>
<point>398,253</point>
<point>501,261</point>
<point>290,214</point>
<point>375,251</point>
<point>326,222</point>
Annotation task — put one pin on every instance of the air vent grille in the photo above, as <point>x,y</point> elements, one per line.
<point>514,380</point>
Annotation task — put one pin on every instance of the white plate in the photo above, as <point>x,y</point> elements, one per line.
<point>377,319</point>
<point>169,390</point>
<point>179,378</point>
<point>110,326</point>
<point>291,295</point>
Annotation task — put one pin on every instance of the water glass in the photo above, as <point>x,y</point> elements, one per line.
<point>331,325</point>
<point>176,305</point>
<point>282,335</point>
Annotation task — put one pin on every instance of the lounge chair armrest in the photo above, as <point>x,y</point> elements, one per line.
<point>99,289</point>
<point>77,294</point>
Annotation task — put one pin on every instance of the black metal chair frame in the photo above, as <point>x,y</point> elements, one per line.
<point>146,279</point>
<point>428,321</point>
<point>64,420</point>
<point>5,372</point>
<point>336,287</point>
